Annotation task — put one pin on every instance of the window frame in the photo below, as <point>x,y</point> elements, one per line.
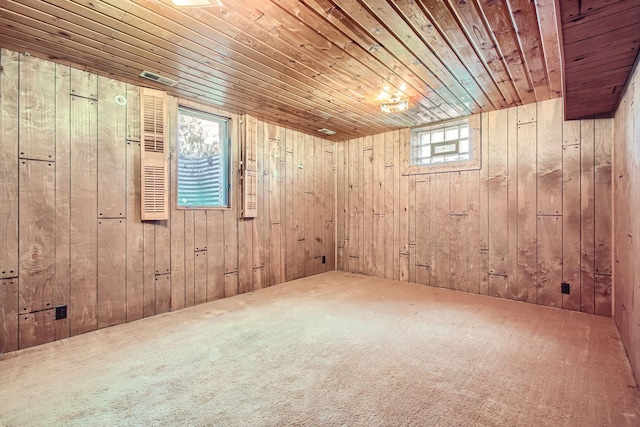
<point>204,111</point>
<point>475,148</point>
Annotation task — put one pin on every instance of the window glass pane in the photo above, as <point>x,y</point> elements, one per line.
<point>463,146</point>
<point>464,131</point>
<point>437,159</point>
<point>464,156</point>
<point>203,150</point>
<point>425,138</point>
<point>425,151</point>
<point>451,158</point>
<point>451,134</point>
<point>437,136</point>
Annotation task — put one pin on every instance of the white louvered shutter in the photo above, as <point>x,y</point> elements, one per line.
<point>154,156</point>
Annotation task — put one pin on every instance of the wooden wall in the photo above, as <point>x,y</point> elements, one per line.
<point>538,212</point>
<point>70,229</point>
<point>626,224</point>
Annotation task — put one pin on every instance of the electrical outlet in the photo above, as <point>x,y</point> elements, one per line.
<point>324,259</point>
<point>565,288</point>
<point>61,312</point>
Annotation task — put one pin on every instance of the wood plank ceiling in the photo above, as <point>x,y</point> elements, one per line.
<point>601,40</point>
<point>309,64</point>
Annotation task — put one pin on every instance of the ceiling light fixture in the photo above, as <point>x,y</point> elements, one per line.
<point>393,103</point>
<point>196,3</point>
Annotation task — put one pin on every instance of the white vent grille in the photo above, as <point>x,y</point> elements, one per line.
<point>326,131</point>
<point>158,78</point>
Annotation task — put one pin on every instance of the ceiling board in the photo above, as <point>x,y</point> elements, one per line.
<point>601,39</point>
<point>309,64</point>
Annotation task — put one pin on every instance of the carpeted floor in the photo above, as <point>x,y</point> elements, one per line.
<point>335,349</point>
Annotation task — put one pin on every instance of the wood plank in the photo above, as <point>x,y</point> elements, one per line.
<point>133,113</point>
<point>309,206</point>
<point>62,190</point>
<point>83,202</point>
<point>353,230</point>
<point>603,198</point>
<point>397,176</point>
<point>549,265</point>
<point>390,213</point>
<point>423,255</point>
<point>527,273</point>
<point>483,206</point>
<point>433,242</point>
<point>37,108</point>
<point>289,213</point>
<point>547,13</point>
<point>37,235</point>
<point>473,268</point>
<point>603,306</point>
<point>459,202</point>
<point>378,206</point>
<point>342,191</point>
<point>367,206</point>
<point>329,203</point>
<point>135,230</point>
<point>163,293</point>
<point>149,256</point>
<point>230,242</point>
<point>412,228</point>
<point>162,231</point>
<point>443,218</point>
<point>318,200</point>
<point>498,195</point>
<point>587,230</point>
<point>299,199</point>
<point>36,328</point>
<point>190,255</point>
<point>215,254</point>
<point>200,230</point>
<point>571,132</point>
<point>84,84</point>
<point>9,320</point>
<point>549,164</point>
<point>112,130</point>
<point>527,113</point>
<point>484,268</point>
<point>245,255</point>
<point>498,19</point>
<point>112,272</point>
<point>512,203</point>
<point>9,127</point>
<point>200,277</point>
<point>523,14</point>
<point>459,256</point>
<point>230,284</point>
<point>178,289</point>
<point>571,225</point>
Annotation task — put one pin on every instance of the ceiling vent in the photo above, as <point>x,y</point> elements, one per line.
<point>158,78</point>
<point>326,131</point>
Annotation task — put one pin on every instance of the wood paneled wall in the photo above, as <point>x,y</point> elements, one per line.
<point>537,213</point>
<point>70,229</point>
<point>626,220</point>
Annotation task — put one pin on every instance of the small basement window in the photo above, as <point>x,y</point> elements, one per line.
<point>203,147</point>
<point>445,147</point>
<point>441,145</point>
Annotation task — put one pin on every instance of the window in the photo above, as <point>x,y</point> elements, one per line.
<point>203,160</point>
<point>444,147</point>
<point>441,145</point>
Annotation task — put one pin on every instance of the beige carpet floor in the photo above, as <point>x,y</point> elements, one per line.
<point>336,349</point>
